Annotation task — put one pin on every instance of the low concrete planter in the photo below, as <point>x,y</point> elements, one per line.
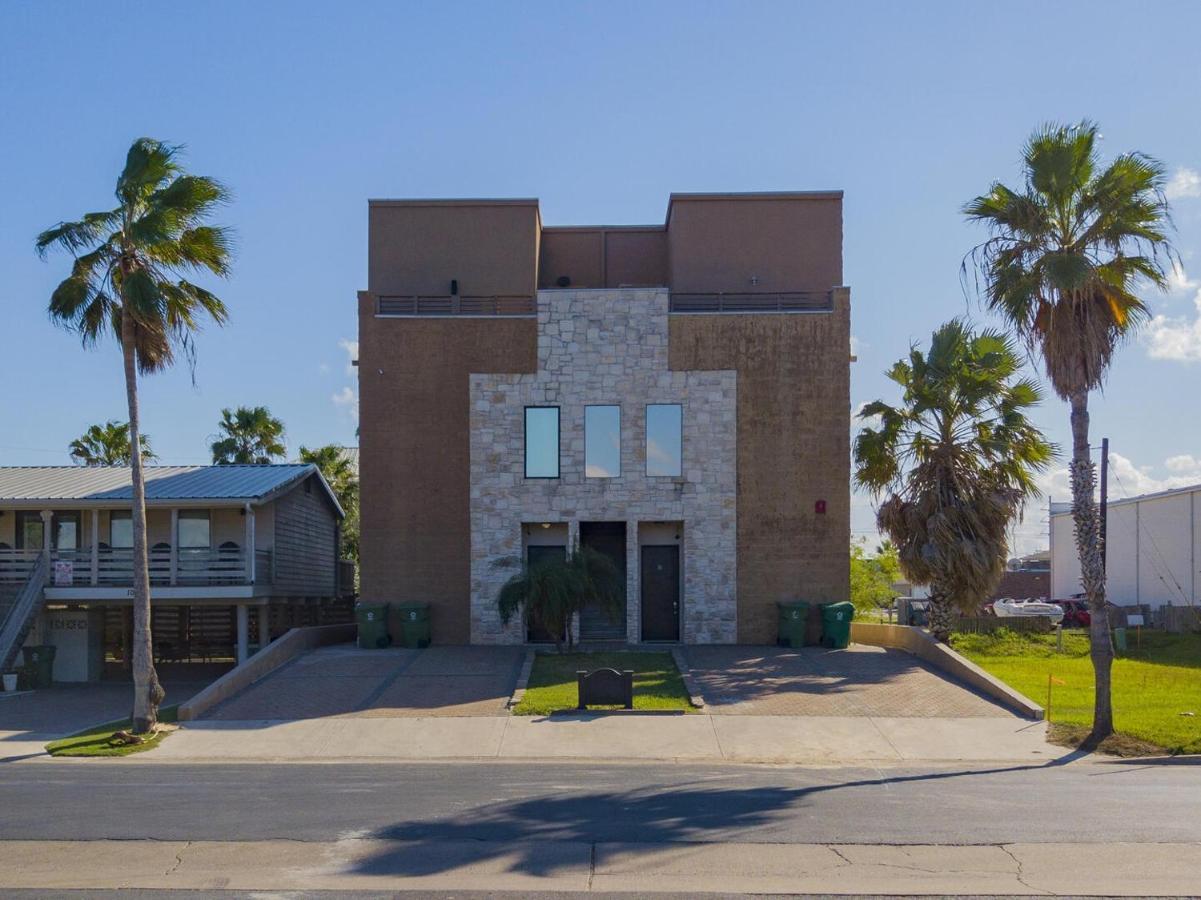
<point>292,644</point>
<point>921,644</point>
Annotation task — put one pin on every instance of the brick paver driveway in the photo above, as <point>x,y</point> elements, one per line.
<point>346,681</point>
<point>812,681</point>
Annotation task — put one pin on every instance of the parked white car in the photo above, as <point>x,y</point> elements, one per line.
<point>1013,609</point>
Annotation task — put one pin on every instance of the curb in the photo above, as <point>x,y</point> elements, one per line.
<point>523,680</point>
<point>694,695</point>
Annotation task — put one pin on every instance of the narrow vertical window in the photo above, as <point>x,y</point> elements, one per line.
<point>194,529</point>
<point>664,439</point>
<point>602,441</point>
<point>120,530</point>
<point>542,442</point>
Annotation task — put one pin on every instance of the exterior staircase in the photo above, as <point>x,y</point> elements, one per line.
<point>18,609</point>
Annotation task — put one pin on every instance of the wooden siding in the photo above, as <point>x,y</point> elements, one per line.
<point>305,542</point>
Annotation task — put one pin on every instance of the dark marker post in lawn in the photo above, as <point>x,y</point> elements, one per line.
<point>554,685</point>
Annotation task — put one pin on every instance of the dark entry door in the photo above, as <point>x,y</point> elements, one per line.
<point>539,633</point>
<point>661,593</point>
<point>608,538</point>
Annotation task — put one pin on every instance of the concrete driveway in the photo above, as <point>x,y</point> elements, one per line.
<point>31,718</point>
<point>345,681</point>
<point>860,681</point>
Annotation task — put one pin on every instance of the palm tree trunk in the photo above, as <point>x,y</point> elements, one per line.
<point>1087,520</point>
<point>940,617</point>
<point>147,692</point>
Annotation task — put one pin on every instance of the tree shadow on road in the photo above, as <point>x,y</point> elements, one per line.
<point>543,835</point>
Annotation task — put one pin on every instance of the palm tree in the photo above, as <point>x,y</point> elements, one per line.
<point>107,445</point>
<point>339,472</point>
<point>552,592</point>
<point>129,279</point>
<point>252,436</point>
<point>1067,251</point>
<point>954,464</point>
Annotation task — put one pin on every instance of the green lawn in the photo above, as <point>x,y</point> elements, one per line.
<point>552,687</point>
<point>1154,685</point>
<point>95,741</point>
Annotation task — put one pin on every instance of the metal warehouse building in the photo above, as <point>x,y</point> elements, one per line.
<point>1153,555</point>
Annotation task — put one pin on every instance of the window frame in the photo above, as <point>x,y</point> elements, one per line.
<point>194,514</point>
<point>120,515</point>
<point>616,406</point>
<point>525,443</point>
<point>646,441</point>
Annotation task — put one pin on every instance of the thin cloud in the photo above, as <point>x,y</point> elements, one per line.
<point>352,353</point>
<point>1185,182</point>
<point>1176,338</point>
<point>348,400</point>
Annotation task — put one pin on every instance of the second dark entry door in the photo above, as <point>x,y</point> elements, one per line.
<point>537,633</point>
<point>661,593</point>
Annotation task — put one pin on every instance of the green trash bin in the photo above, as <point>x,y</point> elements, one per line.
<point>836,624</point>
<point>411,626</point>
<point>39,665</point>
<point>1119,639</point>
<point>372,619</point>
<point>790,630</point>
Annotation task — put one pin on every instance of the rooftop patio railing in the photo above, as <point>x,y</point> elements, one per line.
<point>113,567</point>
<point>456,305</point>
<point>719,302</point>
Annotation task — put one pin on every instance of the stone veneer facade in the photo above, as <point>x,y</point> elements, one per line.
<point>607,347</point>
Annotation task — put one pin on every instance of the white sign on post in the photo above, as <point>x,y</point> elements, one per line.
<point>1134,619</point>
<point>64,573</point>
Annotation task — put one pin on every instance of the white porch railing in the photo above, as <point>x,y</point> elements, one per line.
<point>114,567</point>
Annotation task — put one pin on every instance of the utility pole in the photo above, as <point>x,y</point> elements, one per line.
<point>1104,497</point>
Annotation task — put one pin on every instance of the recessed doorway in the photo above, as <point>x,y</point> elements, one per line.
<point>608,538</point>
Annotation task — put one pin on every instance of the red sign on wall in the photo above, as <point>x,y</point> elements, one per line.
<point>820,507</point>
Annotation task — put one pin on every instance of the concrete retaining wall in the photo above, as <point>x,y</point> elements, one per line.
<point>292,644</point>
<point>920,643</point>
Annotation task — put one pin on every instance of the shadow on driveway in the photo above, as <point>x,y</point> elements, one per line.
<point>814,681</point>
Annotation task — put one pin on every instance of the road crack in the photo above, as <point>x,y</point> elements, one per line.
<point>178,859</point>
<point>592,865</point>
<point>1021,875</point>
<point>839,854</point>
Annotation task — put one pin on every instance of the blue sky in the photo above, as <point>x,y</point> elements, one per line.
<point>600,110</point>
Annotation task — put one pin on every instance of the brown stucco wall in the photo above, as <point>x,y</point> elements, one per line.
<point>793,450</point>
<point>790,242</point>
<point>415,247</point>
<point>627,256</point>
<point>414,453</point>
<point>1021,585</point>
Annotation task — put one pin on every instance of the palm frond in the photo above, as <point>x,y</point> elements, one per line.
<point>1068,251</point>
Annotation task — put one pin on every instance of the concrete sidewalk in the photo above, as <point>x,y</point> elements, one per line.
<point>694,867</point>
<point>764,739</point>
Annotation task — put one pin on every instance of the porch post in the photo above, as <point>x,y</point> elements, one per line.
<point>95,546</point>
<point>243,619</point>
<point>633,585</point>
<point>47,534</point>
<point>174,547</point>
<point>264,627</point>
<point>249,541</point>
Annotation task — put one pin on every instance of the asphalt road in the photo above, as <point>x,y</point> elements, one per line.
<point>128,799</point>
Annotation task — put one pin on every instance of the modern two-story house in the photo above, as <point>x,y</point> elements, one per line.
<point>237,555</point>
<point>675,396</point>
